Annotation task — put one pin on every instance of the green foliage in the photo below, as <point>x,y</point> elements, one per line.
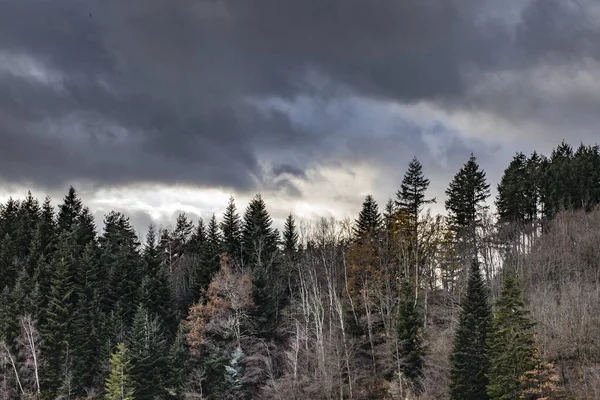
<point>369,223</point>
<point>467,193</point>
<point>290,236</point>
<point>469,364</point>
<point>510,344</point>
<point>231,228</point>
<point>177,368</point>
<point>118,384</point>
<point>410,336</point>
<point>261,253</point>
<point>411,197</point>
<point>149,356</point>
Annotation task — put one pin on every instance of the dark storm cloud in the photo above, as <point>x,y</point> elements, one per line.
<point>117,92</point>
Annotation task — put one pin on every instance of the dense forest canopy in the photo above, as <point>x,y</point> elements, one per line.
<point>399,304</point>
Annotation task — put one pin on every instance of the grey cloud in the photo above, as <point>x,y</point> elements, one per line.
<point>149,91</point>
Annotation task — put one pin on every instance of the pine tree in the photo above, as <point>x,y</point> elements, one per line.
<point>118,385</point>
<point>120,258</point>
<point>177,364</point>
<point>466,196</point>
<point>58,315</point>
<point>511,201</point>
<point>369,222</point>
<point>410,338</point>
<point>290,236</point>
<point>148,350</point>
<point>260,252</point>
<point>411,197</point>
<point>211,254</point>
<point>259,239</point>
<point>69,211</point>
<point>469,364</point>
<point>154,292</point>
<point>231,228</point>
<point>510,344</point>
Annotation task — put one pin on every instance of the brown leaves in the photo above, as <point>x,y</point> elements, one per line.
<point>228,297</point>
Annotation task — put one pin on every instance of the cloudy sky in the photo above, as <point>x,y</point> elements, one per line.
<point>155,107</point>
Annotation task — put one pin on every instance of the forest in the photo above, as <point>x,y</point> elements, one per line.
<point>397,303</point>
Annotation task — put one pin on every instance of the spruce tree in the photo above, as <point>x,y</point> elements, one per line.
<point>511,201</point>
<point>231,226</point>
<point>510,345</point>
<point>369,223</point>
<point>69,211</point>
<point>154,291</point>
<point>411,197</point>
<point>118,385</point>
<point>58,315</point>
<point>177,368</point>
<point>410,337</point>
<point>290,236</point>
<point>260,253</point>
<point>149,356</point>
<point>467,193</point>
<point>211,254</point>
<point>119,247</point>
<point>469,364</point>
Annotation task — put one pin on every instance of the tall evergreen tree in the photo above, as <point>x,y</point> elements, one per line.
<point>469,363</point>
<point>411,197</point>
<point>58,315</point>
<point>510,344</point>
<point>467,193</point>
<point>119,385</point>
<point>69,211</point>
<point>511,201</point>
<point>149,356</point>
<point>119,256</point>
<point>260,252</point>
<point>290,236</point>
<point>369,223</point>
<point>231,226</point>
<point>410,337</point>
<point>154,292</point>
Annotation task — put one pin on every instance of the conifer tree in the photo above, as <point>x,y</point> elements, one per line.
<point>290,236</point>
<point>118,385</point>
<point>177,371</point>
<point>181,235</point>
<point>154,292</point>
<point>149,351</point>
<point>411,197</point>
<point>259,239</point>
<point>211,254</point>
<point>466,200</point>
<point>410,337</point>
<point>231,229</point>
<point>510,344</point>
<point>511,201</point>
<point>69,211</point>
<point>119,256</point>
<point>58,315</point>
<point>469,364</point>
<point>27,219</point>
<point>260,252</point>
<point>199,238</point>
<point>369,222</point>
<point>532,187</point>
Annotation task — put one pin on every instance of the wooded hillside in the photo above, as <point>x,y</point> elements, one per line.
<point>397,304</point>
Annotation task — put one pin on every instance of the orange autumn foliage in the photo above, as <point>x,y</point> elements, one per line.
<point>227,299</point>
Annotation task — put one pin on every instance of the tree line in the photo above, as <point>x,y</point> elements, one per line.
<point>399,303</point>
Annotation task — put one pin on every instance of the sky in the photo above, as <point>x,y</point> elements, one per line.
<point>156,107</point>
